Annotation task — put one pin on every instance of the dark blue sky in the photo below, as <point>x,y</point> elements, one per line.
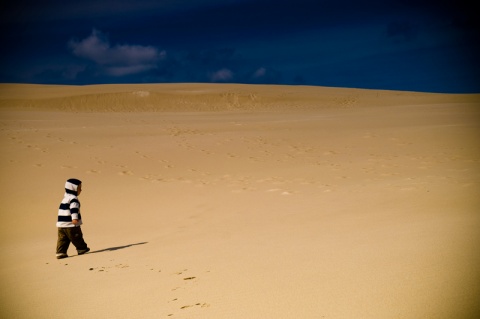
<point>413,45</point>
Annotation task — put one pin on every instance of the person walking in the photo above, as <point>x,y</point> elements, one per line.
<point>69,221</point>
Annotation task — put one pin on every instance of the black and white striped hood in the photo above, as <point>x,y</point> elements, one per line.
<point>71,186</point>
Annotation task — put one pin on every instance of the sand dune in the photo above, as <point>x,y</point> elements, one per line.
<point>240,201</point>
<point>205,97</point>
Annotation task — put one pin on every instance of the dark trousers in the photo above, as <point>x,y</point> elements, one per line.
<point>69,235</point>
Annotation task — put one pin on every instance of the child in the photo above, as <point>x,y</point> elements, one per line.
<point>69,221</point>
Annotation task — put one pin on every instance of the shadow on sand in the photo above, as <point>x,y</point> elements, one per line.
<point>117,248</point>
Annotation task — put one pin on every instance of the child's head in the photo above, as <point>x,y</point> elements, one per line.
<point>73,186</point>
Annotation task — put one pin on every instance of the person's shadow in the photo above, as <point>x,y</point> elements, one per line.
<point>116,248</point>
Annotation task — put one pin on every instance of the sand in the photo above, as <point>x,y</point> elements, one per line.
<point>240,201</point>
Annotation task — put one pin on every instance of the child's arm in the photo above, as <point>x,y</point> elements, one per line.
<point>74,211</point>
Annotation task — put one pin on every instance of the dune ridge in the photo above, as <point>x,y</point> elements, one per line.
<point>207,97</point>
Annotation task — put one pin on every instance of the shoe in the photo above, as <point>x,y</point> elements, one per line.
<point>81,252</point>
<point>60,256</point>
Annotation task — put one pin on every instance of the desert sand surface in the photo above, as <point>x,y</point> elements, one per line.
<point>241,201</point>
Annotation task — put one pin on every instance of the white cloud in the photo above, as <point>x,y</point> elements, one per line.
<point>221,75</point>
<point>260,72</point>
<point>119,59</point>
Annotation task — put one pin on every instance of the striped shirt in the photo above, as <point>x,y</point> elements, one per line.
<point>69,209</point>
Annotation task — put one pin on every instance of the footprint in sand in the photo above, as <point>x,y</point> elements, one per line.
<point>330,153</point>
<point>142,155</point>
<point>176,300</point>
<point>68,167</point>
<point>106,269</point>
<point>189,278</point>
<point>202,305</point>
<point>123,173</point>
